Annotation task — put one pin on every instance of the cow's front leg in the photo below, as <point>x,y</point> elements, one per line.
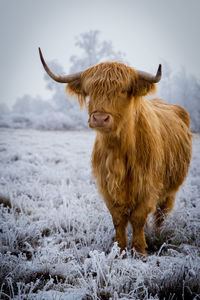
<point>138,218</point>
<point>120,221</point>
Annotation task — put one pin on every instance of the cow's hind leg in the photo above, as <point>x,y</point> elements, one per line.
<point>163,209</point>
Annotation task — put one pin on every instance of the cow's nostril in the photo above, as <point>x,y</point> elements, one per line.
<point>106,119</point>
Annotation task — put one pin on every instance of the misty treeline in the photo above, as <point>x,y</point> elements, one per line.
<point>62,112</point>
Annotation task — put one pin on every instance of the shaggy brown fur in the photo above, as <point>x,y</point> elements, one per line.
<point>140,162</point>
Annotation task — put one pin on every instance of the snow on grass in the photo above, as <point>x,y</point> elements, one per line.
<point>56,235</point>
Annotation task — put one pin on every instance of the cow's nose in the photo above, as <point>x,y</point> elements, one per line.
<point>100,119</point>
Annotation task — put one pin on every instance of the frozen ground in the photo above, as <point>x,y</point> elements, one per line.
<point>56,235</point>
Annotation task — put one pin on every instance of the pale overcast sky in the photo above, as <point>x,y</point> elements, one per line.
<point>146,30</point>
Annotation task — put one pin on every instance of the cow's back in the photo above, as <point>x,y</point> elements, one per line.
<point>179,110</point>
<point>177,142</point>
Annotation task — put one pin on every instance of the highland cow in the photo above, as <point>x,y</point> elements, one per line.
<point>142,149</point>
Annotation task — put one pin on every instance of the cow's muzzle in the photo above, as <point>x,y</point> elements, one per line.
<point>100,120</point>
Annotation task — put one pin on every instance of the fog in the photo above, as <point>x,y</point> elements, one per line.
<point>60,112</point>
<point>147,31</point>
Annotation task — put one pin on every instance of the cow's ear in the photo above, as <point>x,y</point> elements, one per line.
<point>143,87</point>
<point>75,88</point>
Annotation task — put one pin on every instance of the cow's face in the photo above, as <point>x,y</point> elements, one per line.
<point>108,111</point>
<point>113,90</point>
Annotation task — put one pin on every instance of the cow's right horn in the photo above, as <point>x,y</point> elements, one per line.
<point>59,78</point>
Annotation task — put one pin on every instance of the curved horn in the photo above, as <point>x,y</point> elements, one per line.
<point>59,78</point>
<point>151,78</point>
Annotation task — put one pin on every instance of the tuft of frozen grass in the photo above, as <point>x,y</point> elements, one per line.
<point>57,236</point>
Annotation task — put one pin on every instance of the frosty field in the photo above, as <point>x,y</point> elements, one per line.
<point>56,235</point>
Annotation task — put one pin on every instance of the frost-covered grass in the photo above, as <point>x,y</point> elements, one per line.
<point>56,235</point>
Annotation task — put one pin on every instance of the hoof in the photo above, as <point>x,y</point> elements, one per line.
<point>138,254</point>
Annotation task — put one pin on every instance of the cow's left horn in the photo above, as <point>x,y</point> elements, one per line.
<point>151,78</point>
<point>59,78</point>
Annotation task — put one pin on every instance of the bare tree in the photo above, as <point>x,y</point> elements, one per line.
<point>94,51</point>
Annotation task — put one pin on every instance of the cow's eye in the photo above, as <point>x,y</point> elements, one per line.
<point>123,91</point>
